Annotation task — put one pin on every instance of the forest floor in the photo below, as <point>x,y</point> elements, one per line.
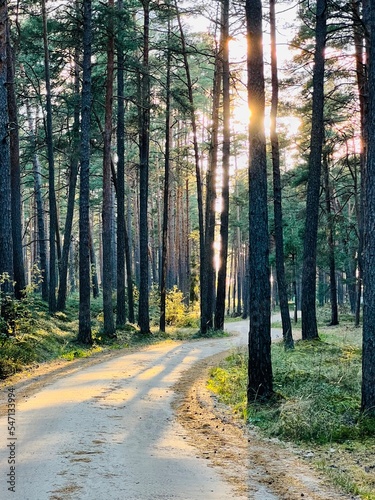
<point>142,425</point>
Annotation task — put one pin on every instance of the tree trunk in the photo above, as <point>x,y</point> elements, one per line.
<point>208,283</point>
<point>64,262</point>
<point>144,146</point>
<point>93,270</point>
<point>361,73</point>
<point>309,325</point>
<point>84,332</point>
<point>277,205</point>
<point>224,216</point>
<point>368,356</point>
<point>109,326</point>
<point>15,175</point>
<point>53,228</point>
<point>331,247</point>
<point>6,241</point>
<point>163,269</point>
<point>189,84</point>
<point>121,225</point>
<point>72,274</point>
<point>259,365</point>
<point>39,206</point>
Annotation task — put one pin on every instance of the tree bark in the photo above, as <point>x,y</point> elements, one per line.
<point>259,365</point>
<point>73,174</point>
<point>277,204</point>
<point>121,225</point>
<point>93,270</point>
<point>224,215</point>
<point>368,356</point>
<point>331,247</point>
<point>144,146</point>
<point>84,332</point>
<point>15,175</point>
<point>6,241</point>
<point>51,171</point>
<point>109,326</point>
<point>198,176</point>
<point>309,325</point>
<point>39,206</point>
<point>361,73</point>
<point>163,269</point>
<point>208,282</point>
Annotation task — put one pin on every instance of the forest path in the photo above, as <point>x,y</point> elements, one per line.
<point>108,431</point>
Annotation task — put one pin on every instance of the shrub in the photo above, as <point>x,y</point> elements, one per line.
<point>175,309</point>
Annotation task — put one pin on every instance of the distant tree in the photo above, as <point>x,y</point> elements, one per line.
<point>224,215</point>
<point>279,237</point>
<point>84,332</point>
<point>330,241</point>
<point>163,270</point>
<point>208,283</point>
<point>73,175</point>
<point>309,325</point>
<point>198,174</point>
<point>40,215</point>
<point>259,365</point>
<point>53,225</point>
<point>121,224</point>
<point>124,259</point>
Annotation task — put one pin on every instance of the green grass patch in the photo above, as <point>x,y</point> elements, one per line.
<point>316,405</point>
<point>41,337</point>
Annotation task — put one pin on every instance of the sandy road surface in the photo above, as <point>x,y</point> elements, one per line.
<point>108,431</point>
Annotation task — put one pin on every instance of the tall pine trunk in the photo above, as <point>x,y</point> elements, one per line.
<point>309,325</point>
<point>189,84</point>
<point>109,326</point>
<point>224,215</point>
<point>73,174</point>
<point>259,365</point>
<point>121,227</point>
<point>84,331</point>
<point>15,175</point>
<point>144,146</point>
<point>51,171</point>
<point>208,282</point>
<point>93,268</point>
<point>6,241</point>
<point>331,246</point>
<point>277,205</point>
<point>163,270</point>
<point>39,206</point>
<point>368,356</point>
<point>361,45</point>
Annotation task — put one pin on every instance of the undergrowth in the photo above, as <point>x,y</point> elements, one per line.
<point>31,335</point>
<point>316,405</point>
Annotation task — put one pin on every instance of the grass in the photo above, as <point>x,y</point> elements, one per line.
<point>41,337</point>
<point>316,405</point>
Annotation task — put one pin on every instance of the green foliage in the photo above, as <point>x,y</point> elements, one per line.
<point>316,404</point>
<point>317,387</point>
<point>230,381</point>
<point>175,309</point>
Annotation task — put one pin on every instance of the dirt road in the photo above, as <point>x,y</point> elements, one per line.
<point>110,431</point>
